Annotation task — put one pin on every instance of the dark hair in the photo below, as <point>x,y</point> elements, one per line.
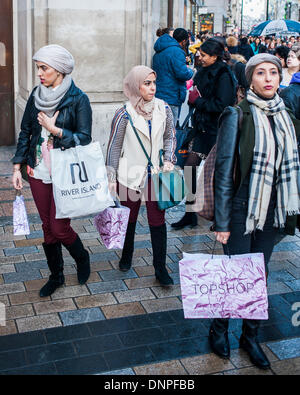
<point>257,45</point>
<point>263,49</point>
<point>222,40</point>
<point>212,47</point>
<point>160,32</point>
<point>244,40</point>
<point>227,56</point>
<point>283,52</point>
<point>180,35</point>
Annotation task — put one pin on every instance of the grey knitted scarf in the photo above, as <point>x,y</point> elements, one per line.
<point>47,99</point>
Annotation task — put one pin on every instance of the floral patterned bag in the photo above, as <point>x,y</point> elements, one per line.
<point>112,225</point>
<point>20,220</point>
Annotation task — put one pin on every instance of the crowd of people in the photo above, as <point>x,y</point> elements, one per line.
<point>243,48</point>
<point>257,165</point>
<point>257,160</point>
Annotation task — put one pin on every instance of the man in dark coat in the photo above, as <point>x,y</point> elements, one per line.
<point>169,63</point>
<point>245,49</point>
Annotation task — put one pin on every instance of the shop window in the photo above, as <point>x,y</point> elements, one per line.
<point>207,23</point>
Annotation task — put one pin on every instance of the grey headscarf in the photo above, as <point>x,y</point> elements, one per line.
<point>258,59</point>
<point>57,57</point>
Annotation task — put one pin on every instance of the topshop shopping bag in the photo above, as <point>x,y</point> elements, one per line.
<point>79,178</point>
<point>224,287</point>
<point>112,226</point>
<point>20,220</point>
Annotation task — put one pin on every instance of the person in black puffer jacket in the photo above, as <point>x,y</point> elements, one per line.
<point>214,90</point>
<point>57,115</point>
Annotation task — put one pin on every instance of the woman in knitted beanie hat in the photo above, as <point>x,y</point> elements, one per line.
<point>57,115</point>
<point>256,184</point>
<point>262,58</point>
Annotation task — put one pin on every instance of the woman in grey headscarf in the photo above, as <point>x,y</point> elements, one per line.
<point>256,183</point>
<point>57,115</point>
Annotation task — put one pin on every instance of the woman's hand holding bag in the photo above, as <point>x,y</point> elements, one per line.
<point>17,180</point>
<point>222,237</point>
<point>168,166</point>
<point>169,185</point>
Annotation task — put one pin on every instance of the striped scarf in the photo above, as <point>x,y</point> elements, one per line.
<point>265,162</point>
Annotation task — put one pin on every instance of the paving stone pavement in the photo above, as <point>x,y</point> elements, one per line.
<point>125,323</point>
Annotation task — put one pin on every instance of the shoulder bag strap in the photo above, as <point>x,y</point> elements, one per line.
<point>241,116</point>
<point>138,137</point>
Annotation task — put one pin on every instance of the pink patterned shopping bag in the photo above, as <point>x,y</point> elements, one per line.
<point>112,226</point>
<point>20,220</point>
<point>224,287</point>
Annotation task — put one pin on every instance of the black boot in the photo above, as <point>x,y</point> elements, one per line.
<point>189,219</point>
<point>127,253</point>
<point>55,263</point>
<point>249,343</point>
<point>218,337</point>
<point>82,259</point>
<point>159,247</point>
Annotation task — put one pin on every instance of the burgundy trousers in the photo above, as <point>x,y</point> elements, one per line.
<point>133,200</point>
<point>55,230</point>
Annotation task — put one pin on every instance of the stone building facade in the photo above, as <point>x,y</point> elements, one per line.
<point>106,38</point>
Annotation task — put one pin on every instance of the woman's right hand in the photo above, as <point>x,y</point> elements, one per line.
<point>17,180</point>
<point>222,237</point>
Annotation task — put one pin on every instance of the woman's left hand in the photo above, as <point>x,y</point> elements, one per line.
<point>47,122</point>
<point>222,237</point>
<point>168,166</point>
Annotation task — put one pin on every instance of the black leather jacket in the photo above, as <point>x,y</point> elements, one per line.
<point>227,154</point>
<point>235,145</point>
<point>75,118</point>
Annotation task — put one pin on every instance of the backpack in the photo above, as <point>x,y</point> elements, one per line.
<point>240,90</point>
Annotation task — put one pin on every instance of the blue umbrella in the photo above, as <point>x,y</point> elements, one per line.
<point>280,27</point>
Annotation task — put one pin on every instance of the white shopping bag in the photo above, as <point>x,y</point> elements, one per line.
<point>79,178</point>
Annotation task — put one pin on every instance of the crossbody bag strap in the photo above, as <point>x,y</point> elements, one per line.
<point>138,137</point>
<point>187,119</point>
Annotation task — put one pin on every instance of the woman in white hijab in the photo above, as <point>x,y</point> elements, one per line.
<point>130,174</point>
<point>57,115</point>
